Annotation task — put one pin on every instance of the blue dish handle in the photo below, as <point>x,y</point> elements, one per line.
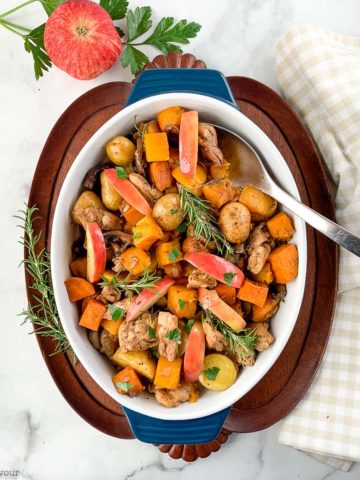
<point>153,430</point>
<point>171,80</point>
<point>154,82</point>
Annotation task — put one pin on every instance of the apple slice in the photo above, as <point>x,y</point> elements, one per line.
<point>96,252</point>
<point>189,142</point>
<point>194,353</point>
<point>210,300</point>
<point>128,192</point>
<point>148,297</point>
<point>219,268</point>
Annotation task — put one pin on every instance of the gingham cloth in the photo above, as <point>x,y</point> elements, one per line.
<point>319,73</point>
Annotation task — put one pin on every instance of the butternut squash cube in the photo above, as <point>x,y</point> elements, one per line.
<point>168,252</point>
<point>156,147</point>
<point>146,232</point>
<point>182,301</point>
<point>194,184</point>
<point>135,260</point>
<point>168,373</point>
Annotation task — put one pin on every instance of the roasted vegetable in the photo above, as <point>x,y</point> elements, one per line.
<point>218,372</point>
<point>160,175</point>
<point>182,301</point>
<point>132,215</point>
<point>194,183</point>
<point>168,373</point>
<point>280,227</point>
<point>168,252</point>
<point>253,293</point>
<point>260,205</point>
<point>146,232</point>
<point>265,275</point>
<point>226,293</point>
<point>127,382</point>
<point>268,310</point>
<point>78,288</point>
<point>171,116</point>
<point>235,222</point>
<point>78,267</point>
<point>93,314</point>
<point>219,193</point>
<point>120,151</point>
<point>142,362</point>
<point>167,211</point>
<point>156,147</point>
<point>109,195</point>
<point>284,263</point>
<point>86,200</point>
<point>135,260</point>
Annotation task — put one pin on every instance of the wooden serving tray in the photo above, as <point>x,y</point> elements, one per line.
<point>287,381</point>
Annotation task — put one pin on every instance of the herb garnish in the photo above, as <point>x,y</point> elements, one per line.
<point>42,313</point>
<point>151,332</point>
<point>136,235</point>
<point>148,280</point>
<point>182,227</point>
<point>173,211</point>
<point>211,373</point>
<point>173,254</point>
<point>116,312</point>
<point>174,335</point>
<point>121,172</point>
<point>202,217</point>
<point>189,324</point>
<point>182,304</point>
<point>228,277</point>
<point>124,386</point>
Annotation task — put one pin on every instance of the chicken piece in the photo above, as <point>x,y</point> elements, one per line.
<point>105,220</point>
<point>135,335</point>
<point>110,294</point>
<point>264,337</point>
<point>140,162</point>
<point>108,343</point>
<point>208,144</point>
<point>151,194</point>
<point>260,243</point>
<point>214,339</point>
<point>165,323</point>
<point>172,398</point>
<point>124,304</point>
<point>200,279</point>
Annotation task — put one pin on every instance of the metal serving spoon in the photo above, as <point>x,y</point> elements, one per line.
<point>248,169</point>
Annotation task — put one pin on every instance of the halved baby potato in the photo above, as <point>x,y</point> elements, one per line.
<point>219,372</point>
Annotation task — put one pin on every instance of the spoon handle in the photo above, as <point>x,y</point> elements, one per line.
<point>338,234</point>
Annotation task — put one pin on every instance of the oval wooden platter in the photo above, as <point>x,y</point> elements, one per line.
<point>288,380</point>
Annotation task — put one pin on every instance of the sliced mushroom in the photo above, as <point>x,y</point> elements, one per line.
<point>94,339</point>
<point>108,343</point>
<point>151,194</point>
<point>173,134</point>
<point>92,175</point>
<point>140,162</point>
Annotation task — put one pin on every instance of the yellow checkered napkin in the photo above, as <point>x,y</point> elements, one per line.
<point>319,73</point>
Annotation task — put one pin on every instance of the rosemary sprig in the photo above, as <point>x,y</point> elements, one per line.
<point>241,343</point>
<point>130,286</point>
<point>202,217</point>
<point>43,315</point>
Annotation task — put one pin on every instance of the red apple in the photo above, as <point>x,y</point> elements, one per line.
<point>210,300</point>
<point>217,267</point>
<point>148,297</point>
<point>188,142</point>
<point>194,353</point>
<point>128,192</point>
<point>80,38</point>
<point>96,252</point>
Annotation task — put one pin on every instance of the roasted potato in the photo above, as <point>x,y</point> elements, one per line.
<point>235,222</point>
<point>218,372</point>
<point>87,199</point>
<point>141,361</point>
<point>120,151</point>
<point>110,197</point>
<point>167,212</point>
<point>260,205</point>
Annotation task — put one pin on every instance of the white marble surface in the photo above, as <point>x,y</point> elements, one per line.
<point>40,435</point>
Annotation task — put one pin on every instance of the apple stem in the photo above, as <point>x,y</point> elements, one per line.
<point>17,8</point>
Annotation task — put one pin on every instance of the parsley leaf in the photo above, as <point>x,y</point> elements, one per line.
<point>121,172</point>
<point>136,235</point>
<point>34,44</point>
<point>228,277</point>
<point>166,32</point>
<point>182,227</point>
<point>174,335</point>
<point>173,211</point>
<point>151,332</point>
<point>138,22</point>
<point>115,8</point>
<point>189,324</point>
<point>182,304</point>
<point>133,57</point>
<point>120,32</point>
<point>116,313</point>
<point>50,5</point>
<point>173,254</point>
<point>211,373</point>
<point>124,386</point>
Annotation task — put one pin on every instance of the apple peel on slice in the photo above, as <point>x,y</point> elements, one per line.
<point>96,252</point>
<point>128,192</point>
<point>189,142</point>
<point>148,297</point>
<point>194,353</point>
<point>210,300</point>
<point>216,267</point>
